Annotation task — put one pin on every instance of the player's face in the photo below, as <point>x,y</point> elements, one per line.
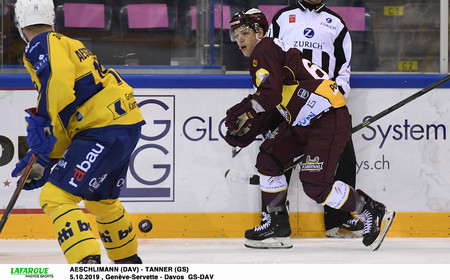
<point>246,39</point>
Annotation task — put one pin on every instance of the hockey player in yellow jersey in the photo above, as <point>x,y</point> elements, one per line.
<point>84,129</point>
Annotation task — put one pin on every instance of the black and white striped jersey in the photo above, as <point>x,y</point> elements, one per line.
<point>320,34</point>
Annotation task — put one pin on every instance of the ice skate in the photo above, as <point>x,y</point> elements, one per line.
<point>352,228</point>
<point>273,233</point>
<point>377,221</point>
<point>91,260</point>
<point>134,259</point>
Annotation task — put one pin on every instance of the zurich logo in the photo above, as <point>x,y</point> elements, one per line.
<point>329,20</point>
<point>308,32</point>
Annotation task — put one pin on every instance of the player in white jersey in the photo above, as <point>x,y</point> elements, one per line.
<point>320,34</point>
<point>324,39</point>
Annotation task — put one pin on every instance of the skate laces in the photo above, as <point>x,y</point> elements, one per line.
<point>266,219</point>
<point>366,216</point>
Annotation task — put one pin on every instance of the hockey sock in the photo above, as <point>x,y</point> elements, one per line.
<point>273,192</point>
<point>115,228</point>
<point>270,197</point>
<point>71,225</point>
<point>360,198</point>
<point>276,202</point>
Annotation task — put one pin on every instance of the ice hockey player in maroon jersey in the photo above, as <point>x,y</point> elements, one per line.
<point>323,38</point>
<point>300,112</point>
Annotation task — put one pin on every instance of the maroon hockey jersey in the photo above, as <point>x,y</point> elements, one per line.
<point>299,89</point>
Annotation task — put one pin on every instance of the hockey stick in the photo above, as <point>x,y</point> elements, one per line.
<point>15,196</point>
<point>400,104</point>
<point>390,109</point>
<point>241,177</point>
<point>235,151</point>
<point>374,118</point>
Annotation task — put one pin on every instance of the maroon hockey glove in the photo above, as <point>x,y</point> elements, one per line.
<point>240,141</point>
<point>241,117</point>
<point>245,139</point>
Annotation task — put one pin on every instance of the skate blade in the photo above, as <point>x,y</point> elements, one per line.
<point>269,243</point>
<point>388,218</point>
<point>343,233</point>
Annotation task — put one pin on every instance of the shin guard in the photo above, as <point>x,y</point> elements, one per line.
<point>115,228</point>
<point>71,225</point>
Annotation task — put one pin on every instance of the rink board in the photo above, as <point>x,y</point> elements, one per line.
<point>228,225</point>
<point>177,172</point>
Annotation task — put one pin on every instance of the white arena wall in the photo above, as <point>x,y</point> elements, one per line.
<point>177,171</point>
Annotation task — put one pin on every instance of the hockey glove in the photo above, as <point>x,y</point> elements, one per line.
<point>240,141</point>
<point>240,117</point>
<point>39,172</point>
<point>40,139</point>
<point>245,139</point>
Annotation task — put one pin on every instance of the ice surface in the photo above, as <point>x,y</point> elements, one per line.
<point>232,251</point>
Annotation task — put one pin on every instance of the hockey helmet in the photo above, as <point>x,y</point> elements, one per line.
<point>252,18</point>
<point>32,12</point>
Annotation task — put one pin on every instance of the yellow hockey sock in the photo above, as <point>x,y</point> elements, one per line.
<point>71,225</point>
<point>115,228</point>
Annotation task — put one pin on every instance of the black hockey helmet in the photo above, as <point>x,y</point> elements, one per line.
<point>252,18</point>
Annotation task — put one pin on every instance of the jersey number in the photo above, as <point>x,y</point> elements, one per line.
<point>315,70</point>
<point>103,72</point>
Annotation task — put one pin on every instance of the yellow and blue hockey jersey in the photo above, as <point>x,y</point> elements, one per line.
<point>75,91</point>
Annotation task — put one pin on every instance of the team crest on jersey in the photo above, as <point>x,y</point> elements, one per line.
<point>312,165</point>
<point>291,18</point>
<point>255,63</point>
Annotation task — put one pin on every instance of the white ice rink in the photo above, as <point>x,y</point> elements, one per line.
<point>232,251</point>
<point>413,258</point>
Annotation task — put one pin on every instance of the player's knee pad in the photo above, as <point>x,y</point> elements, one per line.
<point>272,184</point>
<point>338,195</point>
<point>52,197</point>
<point>71,225</point>
<point>115,228</point>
